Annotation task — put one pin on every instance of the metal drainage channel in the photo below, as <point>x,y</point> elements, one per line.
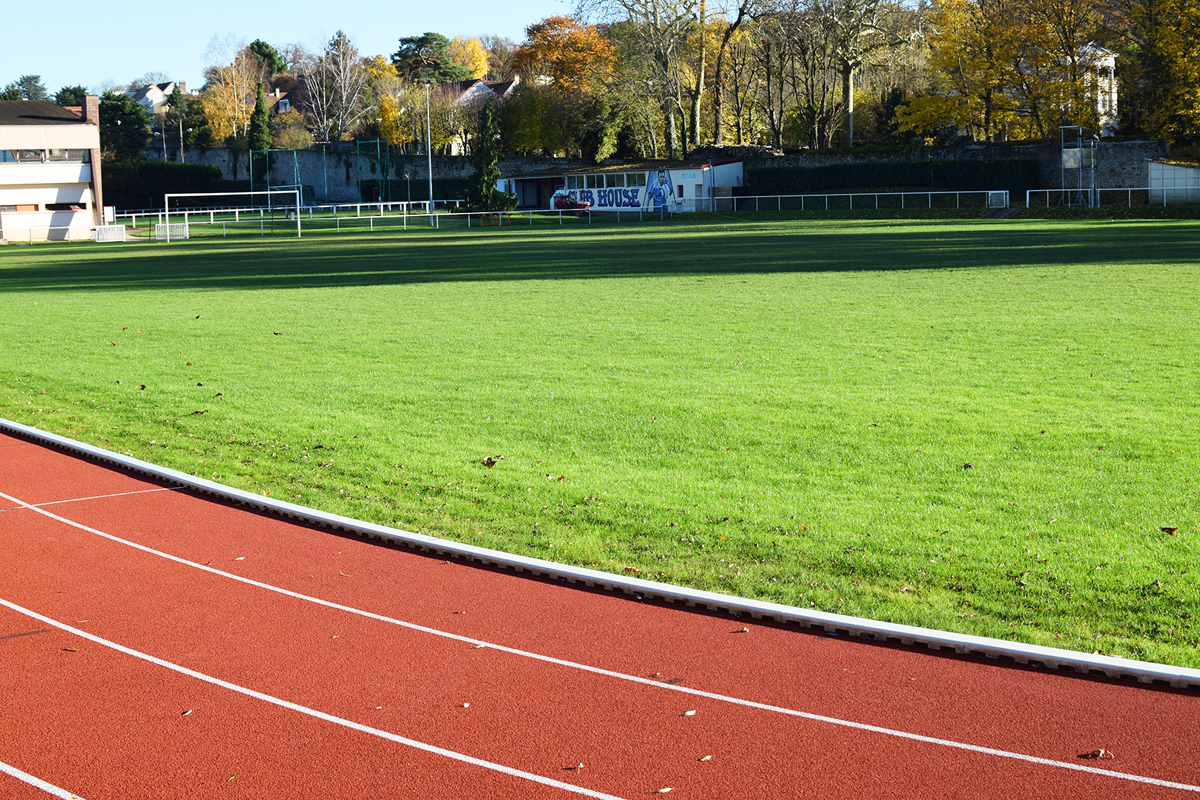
<point>1030,654</point>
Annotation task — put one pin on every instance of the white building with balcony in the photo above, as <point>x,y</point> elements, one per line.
<point>49,170</point>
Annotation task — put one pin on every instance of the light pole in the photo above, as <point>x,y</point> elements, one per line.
<point>429,152</point>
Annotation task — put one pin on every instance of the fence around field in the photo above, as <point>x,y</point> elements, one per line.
<point>279,220</point>
<point>862,201</point>
<point>1128,197</point>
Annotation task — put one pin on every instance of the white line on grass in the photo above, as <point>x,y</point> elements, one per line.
<point>38,783</point>
<point>312,712</point>
<point>610,673</point>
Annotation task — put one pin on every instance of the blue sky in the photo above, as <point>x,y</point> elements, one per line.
<point>93,43</point>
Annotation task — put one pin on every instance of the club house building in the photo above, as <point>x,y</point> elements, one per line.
<point>672,187</point>
<point>49,170</point>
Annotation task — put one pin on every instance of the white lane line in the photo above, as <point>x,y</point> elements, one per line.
<point>96,497</point>
<point>115,494</point>
<point>312,712</point>
<point>38,783</point>
<point>617,675</point>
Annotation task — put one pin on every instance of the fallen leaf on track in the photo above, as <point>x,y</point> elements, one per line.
<point>1099,753</point>
<point>688,713</point>
<point>705,758</point>
<point>70,650</point>
<point>184,714</point>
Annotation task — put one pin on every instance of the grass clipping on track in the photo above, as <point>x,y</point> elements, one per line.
<point>981,427</point>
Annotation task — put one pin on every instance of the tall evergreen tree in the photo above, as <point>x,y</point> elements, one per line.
<point>485,158</point>
<point>260,123</point>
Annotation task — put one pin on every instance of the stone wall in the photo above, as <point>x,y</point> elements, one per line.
<point>1118,164</point>
<point>334,173</point>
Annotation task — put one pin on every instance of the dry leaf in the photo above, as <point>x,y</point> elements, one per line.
<point>240,558</point>
<point>705,758</point>
<point>466,705</point>
<point>70,649</point>
<point>663,790</point>
<point>691,713</point>
<point>184,714</point>
<point>1169,530</point>
<point>344,575</point>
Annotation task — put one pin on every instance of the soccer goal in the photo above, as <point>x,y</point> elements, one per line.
<point>189,203</point>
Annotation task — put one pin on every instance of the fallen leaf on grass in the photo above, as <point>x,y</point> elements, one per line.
<point>198,411</point>
<point>1169,530</point>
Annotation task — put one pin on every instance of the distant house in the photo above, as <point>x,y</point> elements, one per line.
<point>476,90</point>
<point>156,97</point>
<point>49,170</point>
<point>473,93</point>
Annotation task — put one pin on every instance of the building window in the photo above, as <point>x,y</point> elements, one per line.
<point>635,179</point>
<point>285,106</point>
<point>615,181</point>
<point>595,181</point>
<point>65,207</point>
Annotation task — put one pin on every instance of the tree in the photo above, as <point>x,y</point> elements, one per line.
<point>71,96</point>
<point>1159,67</point>
<point>260,123</point>
<point>471,55</point>
<point>426,59</point>
<point>124,127</point>
<point>337,91</point>
<point>500,52</point>
<point>26,87</point>
<point>226,99</point>
<point>268,56</point>
<point>573,55</point>
<point>485,158</point>
<point>745,9</point>
<point>289,131</point>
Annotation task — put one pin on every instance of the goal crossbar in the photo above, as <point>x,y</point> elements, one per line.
<point>294,193</point>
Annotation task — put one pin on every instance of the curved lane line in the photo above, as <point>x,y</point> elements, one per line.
<point>594,670</point>
<point>1051,657</point>
<point>312,712</point>
<point>38,783</point>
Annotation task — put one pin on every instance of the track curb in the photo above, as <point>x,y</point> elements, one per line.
<point>1037,655</point>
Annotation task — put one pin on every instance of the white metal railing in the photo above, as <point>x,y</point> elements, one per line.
<point>1154,195</point>
<point>862,201</point>
<point>413,207</point>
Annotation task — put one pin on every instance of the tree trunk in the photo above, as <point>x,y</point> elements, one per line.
<point>698,94</point>
<point>847,105</point>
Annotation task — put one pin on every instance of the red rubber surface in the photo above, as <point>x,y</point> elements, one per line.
<point>105,724</point>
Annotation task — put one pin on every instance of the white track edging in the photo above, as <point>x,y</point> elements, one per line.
<point>1053,657</point>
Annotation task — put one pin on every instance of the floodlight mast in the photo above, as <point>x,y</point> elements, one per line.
<point>429,152</point>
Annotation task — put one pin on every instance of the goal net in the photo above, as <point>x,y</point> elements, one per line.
<point>199,208</point>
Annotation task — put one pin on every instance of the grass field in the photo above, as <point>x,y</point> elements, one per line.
<point>975,426</point>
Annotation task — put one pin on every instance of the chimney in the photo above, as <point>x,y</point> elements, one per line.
<point>181,87</point>
<point>91,109</point>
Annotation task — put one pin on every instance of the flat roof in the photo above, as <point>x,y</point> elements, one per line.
<point>36,112</point>
<point>632,166</point>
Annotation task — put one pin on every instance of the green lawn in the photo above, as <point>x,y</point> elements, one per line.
<point>976,426</point>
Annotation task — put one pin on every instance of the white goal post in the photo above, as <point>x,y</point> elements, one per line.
<point>293,193</point>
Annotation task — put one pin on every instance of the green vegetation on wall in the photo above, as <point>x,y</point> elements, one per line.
<point>1014,174</point>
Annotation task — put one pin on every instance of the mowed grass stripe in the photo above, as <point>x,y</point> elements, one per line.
<point>784,409</point>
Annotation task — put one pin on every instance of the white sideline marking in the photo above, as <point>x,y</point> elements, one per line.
<point>600,670</point>
<point>38,783</point>
<point>312,712</point>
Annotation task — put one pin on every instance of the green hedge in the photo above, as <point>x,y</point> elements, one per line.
<point>1014,174</point>
<point>142,184</point>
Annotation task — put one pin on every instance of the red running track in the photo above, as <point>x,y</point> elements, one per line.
<point>155,643</point>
